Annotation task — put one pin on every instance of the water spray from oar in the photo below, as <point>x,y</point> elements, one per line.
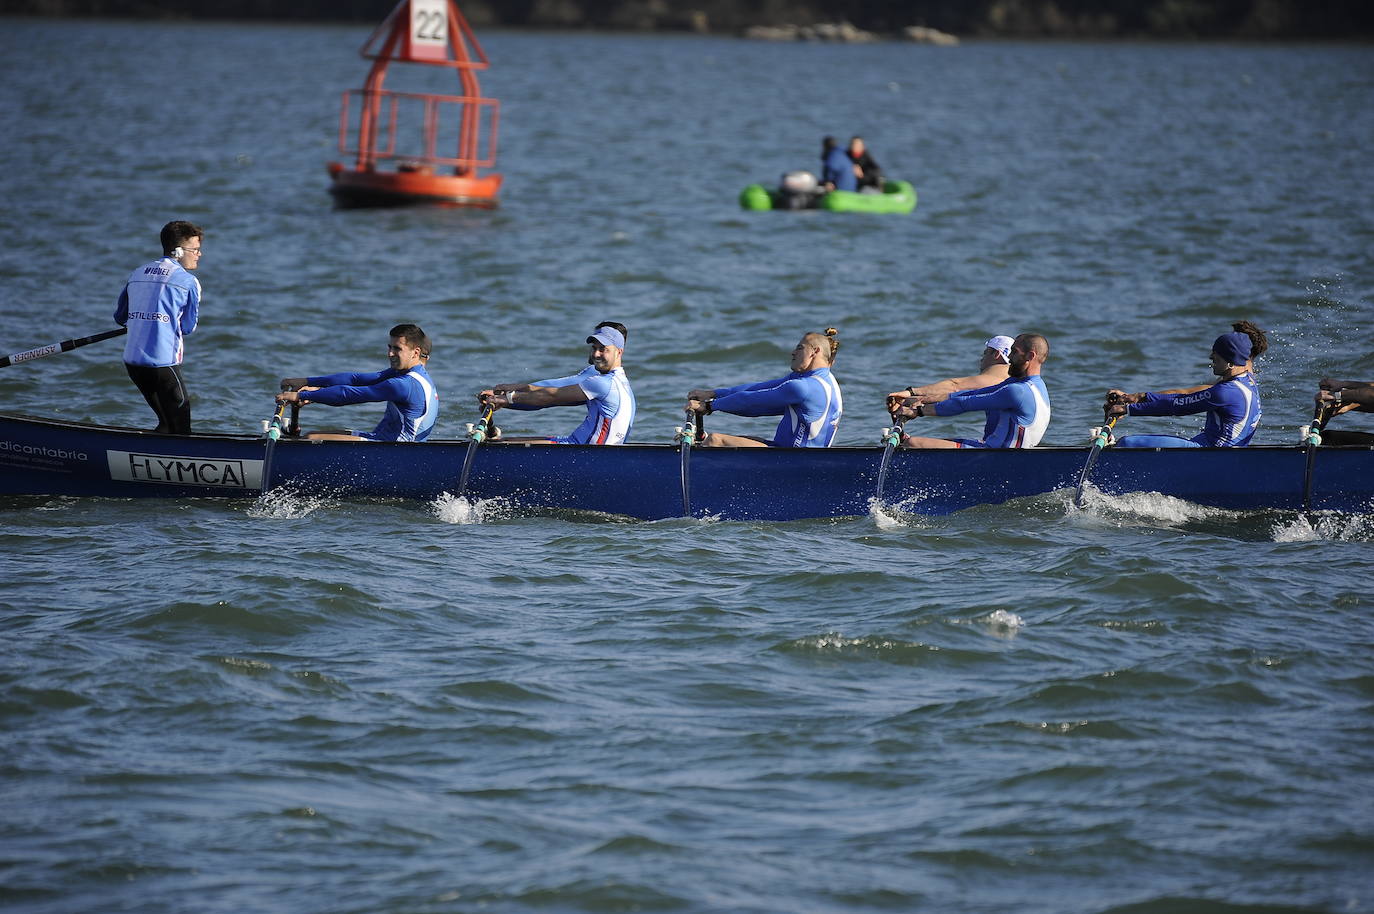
<point>63,346</point>
<point>1101,438</point>
<point>477,433</point>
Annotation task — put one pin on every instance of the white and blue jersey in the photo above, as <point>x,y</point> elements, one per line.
<point>1232,407</point>
<point>411,402</point>
<point>610,409</point>
<point>808,401</point>
<point>159,305</point>
<point>1018,411</point>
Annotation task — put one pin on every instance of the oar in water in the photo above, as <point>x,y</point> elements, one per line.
<point>476,435</point>
<point>274,429</point>
<point>1104,434</point>
<point>64,346</point>
<point>892,439</point>
<point>1313,440</point>
<point>688,435</point>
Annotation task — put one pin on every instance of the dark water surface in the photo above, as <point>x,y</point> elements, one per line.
<point>303,704</point>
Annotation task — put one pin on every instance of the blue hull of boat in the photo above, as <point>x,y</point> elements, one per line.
<point>47,457</point>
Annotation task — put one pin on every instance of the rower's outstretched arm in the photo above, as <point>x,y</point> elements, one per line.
<point>535,398</point>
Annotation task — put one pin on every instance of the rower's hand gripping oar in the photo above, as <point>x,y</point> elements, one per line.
<point>274,431</point>
<point>29,355</point>
<point>1101,438</point>
<point>477,433</point>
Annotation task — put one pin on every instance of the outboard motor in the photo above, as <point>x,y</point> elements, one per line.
<point>798,190</point>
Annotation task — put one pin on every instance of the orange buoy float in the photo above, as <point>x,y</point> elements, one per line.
<point>431,32</point>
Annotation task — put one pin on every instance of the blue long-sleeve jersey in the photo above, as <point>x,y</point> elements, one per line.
<point>1018,411</point>
<point>809,402</point>
<point>1232,407</point>
<point>412,405</point>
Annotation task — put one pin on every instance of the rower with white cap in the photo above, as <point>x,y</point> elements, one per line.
<point>992,369</point>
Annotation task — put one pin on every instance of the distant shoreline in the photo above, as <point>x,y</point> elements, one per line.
<point>803,20</point>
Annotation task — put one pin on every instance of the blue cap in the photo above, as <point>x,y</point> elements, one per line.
<point>608,336</point>
<point>1234,347</point>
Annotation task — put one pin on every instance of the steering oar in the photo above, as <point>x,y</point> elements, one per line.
<point>29,355</point>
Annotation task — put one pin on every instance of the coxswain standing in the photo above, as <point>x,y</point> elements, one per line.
<point>160,305</point>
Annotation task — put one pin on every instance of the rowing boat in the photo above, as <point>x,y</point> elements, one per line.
<point>52,457</point>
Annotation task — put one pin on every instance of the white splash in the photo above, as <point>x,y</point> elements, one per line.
<point>1297,530</point>
<point>1352,528</point>
<point>285,503</point>
<point>1151,506</point>
<point>454,509</point>
<point>893,515</point>
<point>1003,624</point>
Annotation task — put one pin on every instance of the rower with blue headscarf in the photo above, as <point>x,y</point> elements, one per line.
<point>1232,404</point>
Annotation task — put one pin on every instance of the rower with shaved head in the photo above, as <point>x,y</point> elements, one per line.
<point>1018,409</point>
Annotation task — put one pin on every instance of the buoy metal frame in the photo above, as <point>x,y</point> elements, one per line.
<point>432,32</point>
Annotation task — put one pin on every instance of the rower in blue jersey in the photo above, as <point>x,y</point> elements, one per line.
<point>412,404</point>
<point>1232,404</point>
<point>603,387</point>
<point>808,399</point>
<point>1018,409</point>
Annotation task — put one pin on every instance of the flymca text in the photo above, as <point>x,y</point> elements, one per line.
<point>174,470</point>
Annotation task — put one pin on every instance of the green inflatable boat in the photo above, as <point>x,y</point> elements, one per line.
<point>897,197</point>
